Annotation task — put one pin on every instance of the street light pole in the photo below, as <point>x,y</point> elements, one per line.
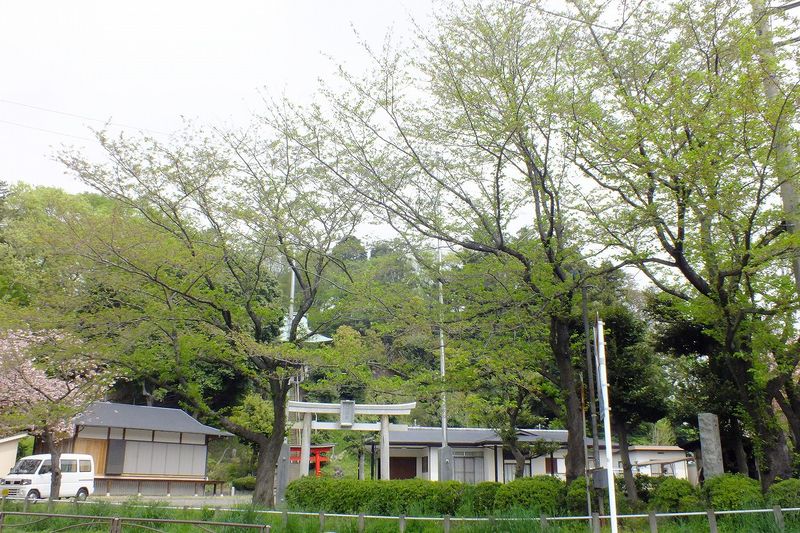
<point>445,452</point>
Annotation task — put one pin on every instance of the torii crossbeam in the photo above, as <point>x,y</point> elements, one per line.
<point>347,411</point>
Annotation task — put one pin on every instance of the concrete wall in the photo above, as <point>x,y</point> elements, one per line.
<point>8,456</point>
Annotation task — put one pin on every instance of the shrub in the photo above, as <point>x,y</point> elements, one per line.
<point>483,496</point>
<point>542,494</point>
<point>675,495</point>
<point>785,493</point>
<point>646,485</point>
<point>575,501</point>
<point>732,491</point>
<point>404,496</point>
<point>244,483</point>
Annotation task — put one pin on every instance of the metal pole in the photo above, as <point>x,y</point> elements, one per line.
<point>441,344</point>
<point>445,453</point>
<point>590,378</point>
<point>601,370</point>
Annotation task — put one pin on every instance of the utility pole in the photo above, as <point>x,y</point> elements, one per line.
<point>781,117</point>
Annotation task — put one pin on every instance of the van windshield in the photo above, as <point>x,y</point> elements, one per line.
<point>26,466</point>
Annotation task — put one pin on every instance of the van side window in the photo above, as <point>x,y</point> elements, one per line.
<point>69,465</point>
<point>86,466</point>
<point>46,467</point>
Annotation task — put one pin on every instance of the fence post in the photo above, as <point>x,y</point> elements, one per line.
<point>322,520</point>
<point>492,523</point>
<point>446,523</point>
<point>776,510</point>
<point>595,522</point>
<point>2,519</point>
<point>116,525</point>
<point>361,523</point>
<point>285,519</point>
<point>401,523</point>
<point>264,529</point>
<point>543,521</point>
<point>712,521</point>
<point>652,519</point>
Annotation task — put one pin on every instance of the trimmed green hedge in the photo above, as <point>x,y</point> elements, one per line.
<point>785,493</point>
<point>419,497</point>
<point>733,491</point>
<point>675,495</point>
<point>402,496</point>
<point>483,496</point>
<point>541,494</point>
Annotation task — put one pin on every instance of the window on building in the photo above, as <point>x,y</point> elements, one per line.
<point>425,464</point>
<point>509,471</point>
<point>468,468</point>
<point>550,465</point>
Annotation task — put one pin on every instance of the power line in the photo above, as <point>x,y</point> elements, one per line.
<point>75,115</point>
<point>45,130</point>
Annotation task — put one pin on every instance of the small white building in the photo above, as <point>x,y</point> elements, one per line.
<point>144,450</point>
<point>8,452</point>
<point>478,456</point>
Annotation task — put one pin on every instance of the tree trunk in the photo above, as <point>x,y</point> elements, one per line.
<point>270,450</point>
<point>770,440</point>
<point>627,470</point>
<point>519,462</point>
<point>560,344</point>
<point>55,462</point>
<point>740,454</point>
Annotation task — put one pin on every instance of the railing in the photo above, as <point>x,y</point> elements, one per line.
<point>115,524</point>
<point>649,521</point>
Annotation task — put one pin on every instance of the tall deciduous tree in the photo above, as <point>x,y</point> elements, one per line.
<point>180,266</point>
<point>669,120</point>
<point>462,154</point>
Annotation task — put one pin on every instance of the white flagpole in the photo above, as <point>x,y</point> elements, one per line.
<point>603,375</point>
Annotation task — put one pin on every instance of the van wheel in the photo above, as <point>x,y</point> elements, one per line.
<point>82,495</point>
<point>32,496</point>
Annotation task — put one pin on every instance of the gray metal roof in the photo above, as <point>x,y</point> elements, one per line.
<point>120,415</point>
<point>416,435</point>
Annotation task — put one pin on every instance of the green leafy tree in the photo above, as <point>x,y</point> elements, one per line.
<point>668,119</point>
<point>461,155</point>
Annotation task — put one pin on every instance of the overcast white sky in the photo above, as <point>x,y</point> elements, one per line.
<point>71,65</point>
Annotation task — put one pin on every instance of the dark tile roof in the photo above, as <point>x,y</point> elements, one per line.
<point>416,435</point>
<point>120,415</point>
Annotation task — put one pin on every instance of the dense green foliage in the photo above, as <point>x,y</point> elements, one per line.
<point>538,493</point>
<point>732,491</point>
<point>407,496</point>
<point>675,495</point>
<point>785,493</point>
<point>244,483</point>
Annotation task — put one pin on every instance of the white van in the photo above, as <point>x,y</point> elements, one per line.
<point>30,477</point>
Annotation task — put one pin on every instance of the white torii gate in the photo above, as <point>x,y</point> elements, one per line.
<point>347,411</point>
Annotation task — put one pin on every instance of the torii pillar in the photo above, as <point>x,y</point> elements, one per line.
<point>347,411</point>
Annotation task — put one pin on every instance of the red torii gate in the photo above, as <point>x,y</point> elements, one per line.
<point>316,456</point>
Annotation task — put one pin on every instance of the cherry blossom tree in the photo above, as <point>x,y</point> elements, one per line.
<point>43,385</point>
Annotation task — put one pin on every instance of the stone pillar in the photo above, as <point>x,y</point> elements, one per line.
<point>445,463</point>
<point>283,476</point>
<point>710,445</point>
<point>305,445</point>
<point>385,447</point>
